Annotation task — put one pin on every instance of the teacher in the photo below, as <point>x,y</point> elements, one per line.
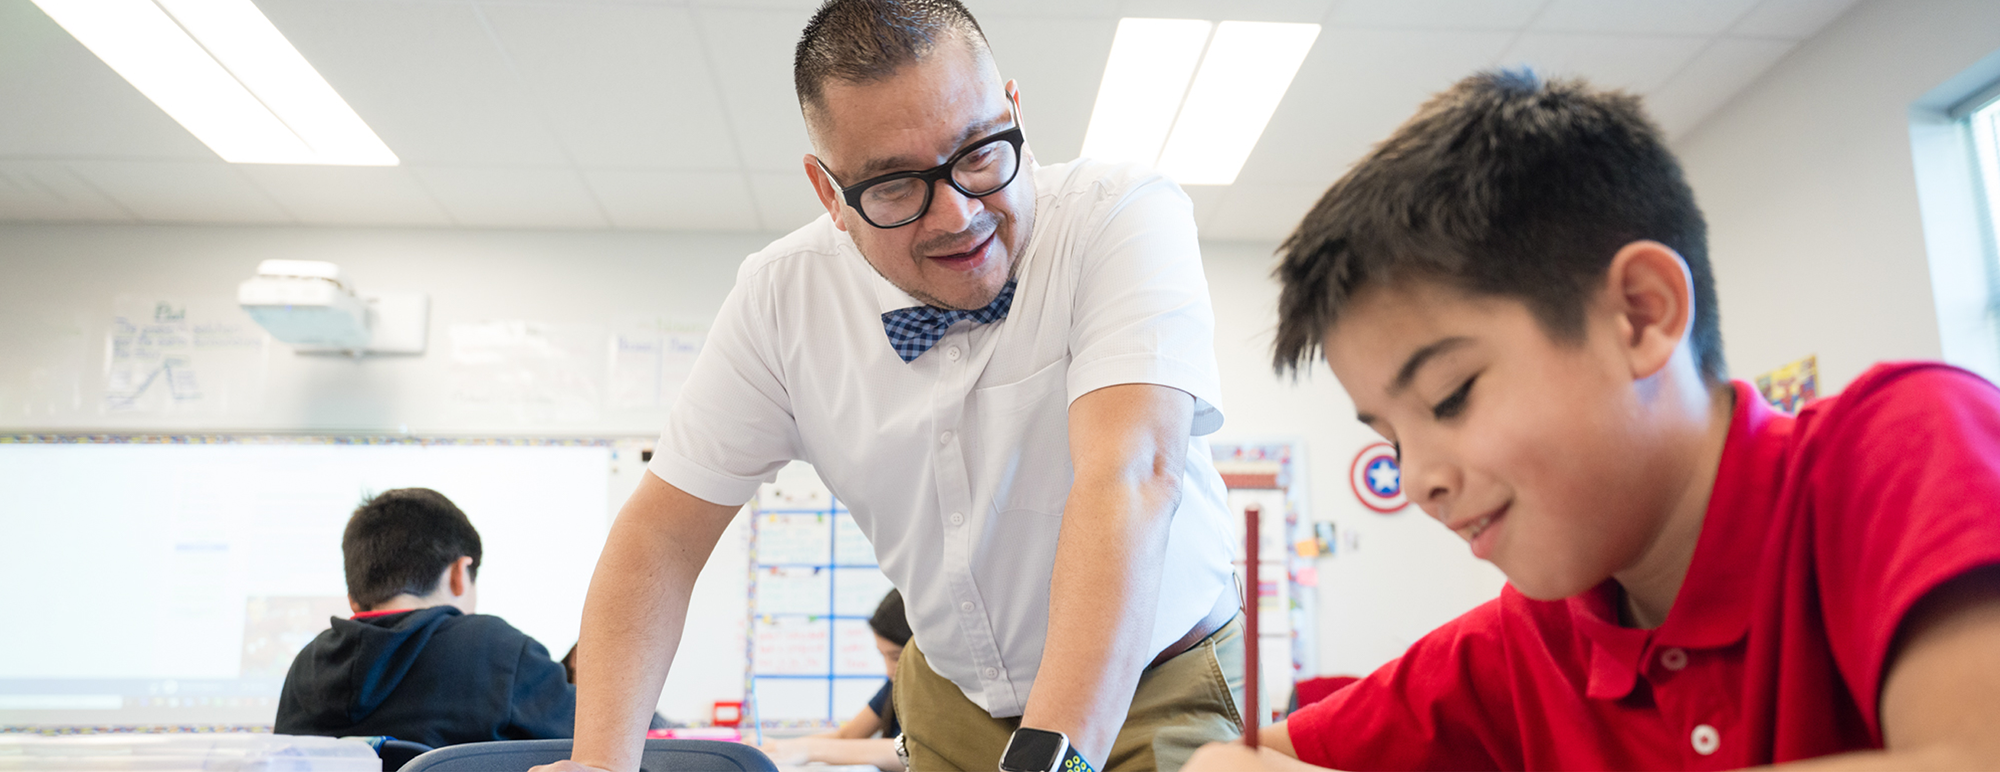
<point>1005,370</point>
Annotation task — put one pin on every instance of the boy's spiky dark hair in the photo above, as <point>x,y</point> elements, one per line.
<point>1503,185</point>
<point>400,541</point>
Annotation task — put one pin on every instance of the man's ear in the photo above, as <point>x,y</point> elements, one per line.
<point>824,187</point>
<point>1653,296</point>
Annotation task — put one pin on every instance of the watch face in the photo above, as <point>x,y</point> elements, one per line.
<point>1034,750</point>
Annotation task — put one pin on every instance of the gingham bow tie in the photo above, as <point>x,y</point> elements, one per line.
<point>914,330</point>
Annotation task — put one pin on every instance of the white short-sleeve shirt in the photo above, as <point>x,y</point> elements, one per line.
<point>956,465</point>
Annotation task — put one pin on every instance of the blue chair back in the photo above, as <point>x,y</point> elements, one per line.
<point>660,756</point>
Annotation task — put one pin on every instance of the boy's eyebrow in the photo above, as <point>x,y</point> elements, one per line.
<point>1422,355</point>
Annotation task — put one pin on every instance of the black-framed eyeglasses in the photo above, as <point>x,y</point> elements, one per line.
<point>900,198</point>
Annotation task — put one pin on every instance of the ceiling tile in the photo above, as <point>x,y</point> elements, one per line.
<point>682,201</point>
<point>1642,17</point>
<point>1058,64</point>
<point>1355,87</point>
<point>62,101</point>
<point>785,201</point>
<point>425,76</point>
<point>182,191</point>
<point>1261,212</point>
<point>1635,63</point>
<point>349,195</point>
<point>1047,9</point>
<point>621,85</point>
<point>752,54</point>
<point>1790,19</point>
<point>1436,14</point>
<point>1719,73</point>
<point>1240,10</point>
<point>513,198</point>
<point>805,6</point>
<point>47,191</point>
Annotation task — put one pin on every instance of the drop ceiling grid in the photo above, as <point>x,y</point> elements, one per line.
<point>637,114</point>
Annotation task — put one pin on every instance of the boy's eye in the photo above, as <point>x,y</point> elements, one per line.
<point>1454,404</point>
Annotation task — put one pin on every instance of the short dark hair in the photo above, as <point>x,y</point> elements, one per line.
<point>401,541</point>
<point>889,621</point>
<point>1503,185</point>
<point>865,41</point>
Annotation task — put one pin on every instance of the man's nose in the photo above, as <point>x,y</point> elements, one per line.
<point>951,211</point>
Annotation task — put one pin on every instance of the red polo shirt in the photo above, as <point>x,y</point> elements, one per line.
<point>1822,532</point>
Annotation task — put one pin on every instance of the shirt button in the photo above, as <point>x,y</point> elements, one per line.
<point>957,519</point>
<point>951,353</point>
<point>992,673</point>
<point>1674,659</point>
<point>944,437</point>
<point>1705,739</point>
<point>966,606</point>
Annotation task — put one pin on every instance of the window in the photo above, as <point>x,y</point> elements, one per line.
<point>1983,127</point>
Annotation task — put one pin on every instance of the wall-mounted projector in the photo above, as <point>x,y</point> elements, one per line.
<point>311,305</point>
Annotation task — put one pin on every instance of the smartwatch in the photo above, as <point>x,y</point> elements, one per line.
<point>1040,750</point>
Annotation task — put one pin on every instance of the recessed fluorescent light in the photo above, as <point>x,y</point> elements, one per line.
<point>1151,63</point>
<point>1245,74</point>
<point>1201,134</point>
<point>226,74</point>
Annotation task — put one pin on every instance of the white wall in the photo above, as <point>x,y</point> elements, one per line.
<point>1812,199</point>
<point>60,283</point>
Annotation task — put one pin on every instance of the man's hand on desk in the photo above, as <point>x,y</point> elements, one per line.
<point>1237,757</point>
<point>567,766</point>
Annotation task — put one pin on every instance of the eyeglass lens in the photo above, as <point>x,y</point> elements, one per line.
<point>986,169</point>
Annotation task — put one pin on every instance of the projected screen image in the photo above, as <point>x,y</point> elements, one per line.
<point>174,584</point>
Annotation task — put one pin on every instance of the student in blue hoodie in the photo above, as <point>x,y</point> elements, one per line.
<point>415,662</point>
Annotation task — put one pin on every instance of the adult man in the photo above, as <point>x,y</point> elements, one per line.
<point>1022,448</point>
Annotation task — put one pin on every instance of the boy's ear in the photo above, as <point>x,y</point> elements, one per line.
<point>355,607</point>
<point>459,576</point>
<point>1653,296</point>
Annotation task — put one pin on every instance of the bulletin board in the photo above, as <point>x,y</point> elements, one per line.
<point>813,584</point>
<point>1265,474</point>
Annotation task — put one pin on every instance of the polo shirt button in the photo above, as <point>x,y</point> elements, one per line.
<point>951,353</point>
<point>966,606</point>
<point>944,437</point>
<point>957,519</point>
<point>1706,740</point>
<point>1674,659</point>
<point>992,673</point>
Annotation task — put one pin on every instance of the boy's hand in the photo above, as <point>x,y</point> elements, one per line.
<point>567,766</point>
<point>1236,757</point>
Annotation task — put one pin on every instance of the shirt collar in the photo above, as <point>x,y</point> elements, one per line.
<point>1712,610</point>
<point>888,297</point>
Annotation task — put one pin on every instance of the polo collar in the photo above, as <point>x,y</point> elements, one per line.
<point>1712,609</point>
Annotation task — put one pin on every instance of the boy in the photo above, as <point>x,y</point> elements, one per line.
<point>1514,289</point>
<point>415,662</point>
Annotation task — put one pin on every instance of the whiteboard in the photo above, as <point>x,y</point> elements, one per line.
<point>172,580</point>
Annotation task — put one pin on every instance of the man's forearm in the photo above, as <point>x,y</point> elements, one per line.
<point>1102,601</point>
<point>1128,444</point>
<point>633,616</point>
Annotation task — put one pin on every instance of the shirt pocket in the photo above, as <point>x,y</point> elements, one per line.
<point>1026,447</point>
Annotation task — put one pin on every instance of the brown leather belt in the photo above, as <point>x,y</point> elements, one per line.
<point>1225,609</point>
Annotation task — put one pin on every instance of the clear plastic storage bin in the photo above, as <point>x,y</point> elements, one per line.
<point>185,752</point>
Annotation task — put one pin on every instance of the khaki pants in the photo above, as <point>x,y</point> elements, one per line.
<point>1186,702</point>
